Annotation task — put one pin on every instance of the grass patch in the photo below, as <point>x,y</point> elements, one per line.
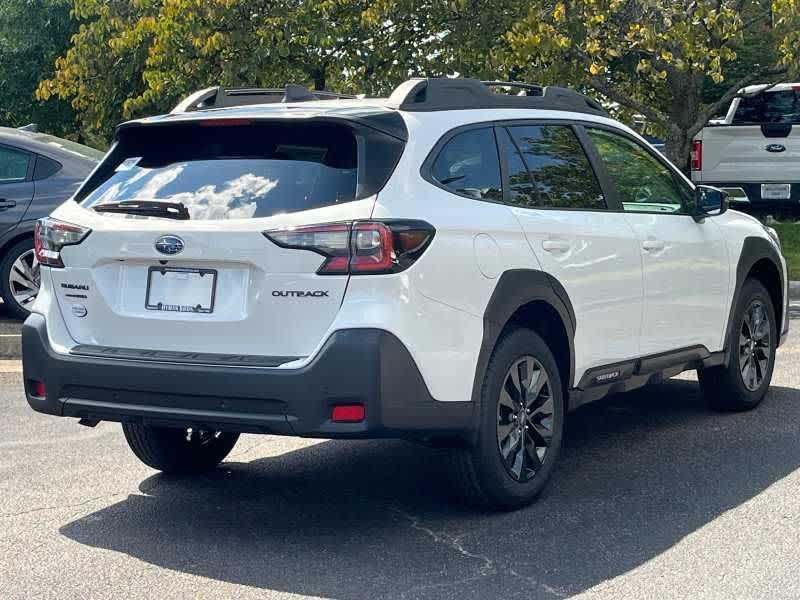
<point>790,241</point>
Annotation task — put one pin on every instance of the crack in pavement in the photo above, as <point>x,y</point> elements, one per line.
<point>57,507</point>
<point>487,569</point>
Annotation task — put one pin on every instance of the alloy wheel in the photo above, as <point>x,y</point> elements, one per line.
<point>754,345</point>
<point>25,279</point>
<point>525,418</point>
<point>201,437</point>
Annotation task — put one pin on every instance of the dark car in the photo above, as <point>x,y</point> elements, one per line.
<point>37,173</point>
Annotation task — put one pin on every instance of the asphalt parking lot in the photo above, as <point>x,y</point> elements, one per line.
<point>655,497</point>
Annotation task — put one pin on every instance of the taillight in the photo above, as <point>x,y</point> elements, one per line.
<point>331,241</point>
<point>51,235</point>
<point>359,247</point>
<point>697,155</point>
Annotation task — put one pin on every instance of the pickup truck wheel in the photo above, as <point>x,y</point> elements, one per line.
<point>521,424</point>
<point>184,451</point>
<point>743,383</point>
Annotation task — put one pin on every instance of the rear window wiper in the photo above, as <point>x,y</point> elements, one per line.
<point>147,208</point>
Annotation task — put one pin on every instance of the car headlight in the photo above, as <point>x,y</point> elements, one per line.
<point>774,235</point>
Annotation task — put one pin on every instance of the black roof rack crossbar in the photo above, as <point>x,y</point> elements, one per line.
<point>526,89</point>
<point>218,97</point>
<point>442,93</point>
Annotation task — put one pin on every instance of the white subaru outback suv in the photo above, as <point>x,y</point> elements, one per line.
<point>452,265</point>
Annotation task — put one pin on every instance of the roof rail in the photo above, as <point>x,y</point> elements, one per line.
<point>526,89</point>
<point>441,93</point>
<point>218,97</point>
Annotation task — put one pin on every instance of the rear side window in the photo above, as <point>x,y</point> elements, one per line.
<point>468,165</point>
<point>13,165</point>
<point>236,171</point>
<point>45,168</point>
<point>769,107</point>
<point>560,172</point>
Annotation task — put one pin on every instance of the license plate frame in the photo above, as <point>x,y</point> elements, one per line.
<point>776,191</point>
<point>153,304</point>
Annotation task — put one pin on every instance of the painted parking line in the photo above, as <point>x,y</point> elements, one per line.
<point>10,366</point>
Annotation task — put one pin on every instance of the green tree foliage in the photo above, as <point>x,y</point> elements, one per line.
<point>103,66</point>
<point>654,57</point>
<point>33,33</point>
<point>135,57</point>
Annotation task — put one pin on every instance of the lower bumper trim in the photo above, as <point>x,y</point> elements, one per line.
<point>356,366</point>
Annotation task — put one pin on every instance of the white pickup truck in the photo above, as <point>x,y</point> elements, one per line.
<point>754,152</point>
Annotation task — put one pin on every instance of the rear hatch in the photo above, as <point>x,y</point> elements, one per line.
<point>210,281</point>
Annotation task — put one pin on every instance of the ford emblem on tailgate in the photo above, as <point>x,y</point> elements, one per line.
<point>169,245</point>
<point>775,148</point>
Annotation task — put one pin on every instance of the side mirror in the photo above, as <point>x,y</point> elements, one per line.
<point>709,202</point>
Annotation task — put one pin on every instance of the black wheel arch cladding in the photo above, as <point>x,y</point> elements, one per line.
<point>754,251</point>
<point>516,289</point>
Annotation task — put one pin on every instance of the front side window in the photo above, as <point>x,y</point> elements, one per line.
<point>13,165</point>
<point>559,169</point>
<point>468,165</point>
<point>643,182</point>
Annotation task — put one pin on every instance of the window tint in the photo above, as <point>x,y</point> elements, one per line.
<point>521,190</point>
<point>468,165</point>
<point>239,172</point>
<point>45,168</point>
<point>644,183</point>
<point>769,107</point>
<point>559,168</point>
<point>13,165</point>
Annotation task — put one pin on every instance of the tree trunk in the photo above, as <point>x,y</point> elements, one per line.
<point>678,148</point>
<point>687,100</point>
<point>318,75</point>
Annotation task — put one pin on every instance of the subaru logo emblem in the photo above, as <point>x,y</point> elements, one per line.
<point>775,148</point>
<point>169,245</point>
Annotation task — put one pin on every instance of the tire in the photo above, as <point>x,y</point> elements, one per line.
<point>168,450</point>
<point>725,387</point>
<point>13,308</point>
<point>481,475</point>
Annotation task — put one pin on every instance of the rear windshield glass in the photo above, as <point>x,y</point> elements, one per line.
<point>234,171</point>
<point>769,107</point>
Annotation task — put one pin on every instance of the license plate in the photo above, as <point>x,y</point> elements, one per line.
<point>181,290</point>
<point>776,191</point>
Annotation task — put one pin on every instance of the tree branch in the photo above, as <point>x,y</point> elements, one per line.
<point>651,113</point>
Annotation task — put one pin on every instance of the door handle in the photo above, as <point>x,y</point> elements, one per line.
<point>653,245</point>
<point>7,204</point>
<point>555,246</point>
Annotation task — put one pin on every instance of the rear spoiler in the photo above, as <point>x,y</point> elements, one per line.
<point>218,97</point>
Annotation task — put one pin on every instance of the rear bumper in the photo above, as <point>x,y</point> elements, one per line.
<point>363,366</point>
<point>744,194</point>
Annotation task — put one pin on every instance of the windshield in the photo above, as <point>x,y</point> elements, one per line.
<point>231,188</point>
<point>237,172</point>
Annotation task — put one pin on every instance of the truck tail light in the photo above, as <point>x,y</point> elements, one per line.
<point>51,235</point>
<point>697,155</point>
<point>359,247</point>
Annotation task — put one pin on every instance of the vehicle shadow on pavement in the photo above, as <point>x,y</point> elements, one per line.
<point>363,520</point>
